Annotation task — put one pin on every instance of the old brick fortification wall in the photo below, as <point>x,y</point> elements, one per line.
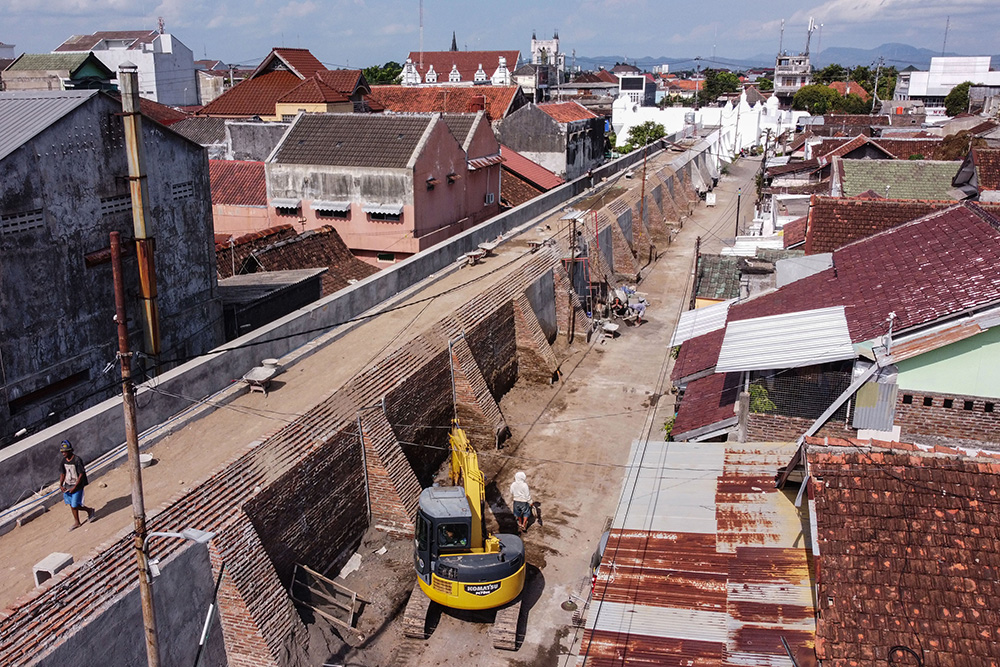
<point>778,428</point>
<point>969,418</point>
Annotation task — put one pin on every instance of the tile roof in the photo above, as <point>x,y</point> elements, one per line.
<point>315,248</point>
<point>237,183</point>
<point>56,61</point>
<point>468,62</point>
<point>236,254</point>
<point>253,97</point>
<point>850,88</point>
<point>461,126</point>
<point>566,112</point>
<point>904,149</point>
<point>202,130</point>
<point>844,119</point>
<point>88,42</point>
<point>346,81</point>
<point>313,91</point>
<point>606,76</point>
<point>905,179</point>
<point>353,140</point>
<point>794,167</point>
<point>514,190</point>
<point>250,288</point>
<point>909,555</point>
<point>718,277</point>
<point>707,401</point>
<point>697,355</point>
<point>528,170</point>
<point>161,113</point>
<point>794,232</point>
<point>300,61</point>
<point>987,161</point>
<point>922,270</point>
<point>449,99</point>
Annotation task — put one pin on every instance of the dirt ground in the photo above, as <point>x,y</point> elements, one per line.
<point>572,440</point>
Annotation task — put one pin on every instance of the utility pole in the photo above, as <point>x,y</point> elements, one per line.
<point>694,282</point>
<point>739,199</point>
<point>572,280</point>
<point>878,69</point>
<point>128,75</point>
<point>132,444</point>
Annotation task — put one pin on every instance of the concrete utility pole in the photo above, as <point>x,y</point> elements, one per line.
<point>128,77</point>
<point>739,198</point>
<point>132,444</point>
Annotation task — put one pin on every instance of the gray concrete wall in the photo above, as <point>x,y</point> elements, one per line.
<point>541,296</point>
<point>181,594</point>
<point>31,463</point>
<point>56,328</point>
<point>253,141</point>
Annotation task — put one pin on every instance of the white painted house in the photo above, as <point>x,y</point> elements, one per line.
<point>166,66</point>
<point>932,86</point>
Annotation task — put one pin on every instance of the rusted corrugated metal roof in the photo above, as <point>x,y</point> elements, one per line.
<point>705,565</point>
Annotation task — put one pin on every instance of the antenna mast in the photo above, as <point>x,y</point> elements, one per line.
<point>781,40</point>
<point>809,34</point>
<point>944,46</point>
<point>421,35</point>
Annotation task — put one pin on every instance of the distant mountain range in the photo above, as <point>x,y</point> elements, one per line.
<point>898,55</point>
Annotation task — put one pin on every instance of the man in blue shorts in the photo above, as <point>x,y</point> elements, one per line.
<point>521,496</point>
<point>72,479</point>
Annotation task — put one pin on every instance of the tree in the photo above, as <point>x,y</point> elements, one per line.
<point>764,85</point>
<point>386,74</point>
<point>719,82</point>
<point>830,73</point>
<point>957,101</point>
<point>852,104</point>
<point>817,99</point>
<point>644,134</point>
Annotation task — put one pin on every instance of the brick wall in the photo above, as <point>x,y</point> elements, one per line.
<point>477,410</point>
<point>778,428</point>
<point>316,512</point>
<point>535,360</point>
<point>392,486</point>
<point>955,422</point>
<point>569,311</point>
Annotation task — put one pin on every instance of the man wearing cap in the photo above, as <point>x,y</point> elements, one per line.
<point>521,495</point>
<point>72,479</point>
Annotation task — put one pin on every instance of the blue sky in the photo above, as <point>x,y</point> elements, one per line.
<point>358,33</point>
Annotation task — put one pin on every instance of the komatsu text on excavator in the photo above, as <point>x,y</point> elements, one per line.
<point>459,564</point>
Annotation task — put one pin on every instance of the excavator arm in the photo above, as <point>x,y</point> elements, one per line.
<point>465,471</point>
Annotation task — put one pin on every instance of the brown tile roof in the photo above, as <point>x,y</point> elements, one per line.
<point>697,355</point>
<point>606,76</point>
<point>794,232</point>
<point>227,255</point>
<point>313,249</point>
<point>449,99</point>
<point>313,91</point>
<point>461,125</point>
<point>908,555</point>
<point>466,61</point>
<point>253,97</point>
<point>794,167</point>
<point>202,130</point>
<point>347,81</point>
<point>161,113</point>
<point>87,42</point>
<point>708,400</point>
<point>514,190</point>
<point>850,88</point>
<point>300,61</point>
<point>529,171</point>
<point>987,161</point>
<point>237,183</point>
<point>904,149</point>
<point>353,140</point>
<point>566,112</point>
<point>834,222</point>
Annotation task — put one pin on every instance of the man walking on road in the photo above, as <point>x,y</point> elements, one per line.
<point>72,479</point>
<point>521,495</point>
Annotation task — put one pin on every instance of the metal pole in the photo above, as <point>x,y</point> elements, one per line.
<point>128,76</point>
<point>739,198</point>
<point>132,444</point>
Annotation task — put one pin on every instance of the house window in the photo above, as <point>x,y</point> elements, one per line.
<point>489,198</point>
<point>287,210</point>
<point>386,257</point>
<point>378,216</point>
<point>332,214</point>
<point>287,207</point>
<point>287,117</point>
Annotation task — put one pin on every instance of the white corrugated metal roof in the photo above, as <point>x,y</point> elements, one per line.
<point>24,114</point>
<point>694,323</point>
<point>746,246</point>
<point>391,209</point>
<point>321,205</point>
<point>788,340</point>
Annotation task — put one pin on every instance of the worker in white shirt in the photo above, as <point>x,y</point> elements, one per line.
<point>521,495</point>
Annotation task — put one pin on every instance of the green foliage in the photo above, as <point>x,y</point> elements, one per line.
<point>852,104</point>
<point>957,101</point>
<point>674,351</point>
<point>668,427</point>
<point>644,134</point>
<point>764,85</point>
<point>830,73</point>
<point>916,156</point>
<point>388,73</point>
<point>759,400</point>
<point>817,99</point>
<point>719,82</point>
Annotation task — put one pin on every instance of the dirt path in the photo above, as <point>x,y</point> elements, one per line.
<point>572,440</point>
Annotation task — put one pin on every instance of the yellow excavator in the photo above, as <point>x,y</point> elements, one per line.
<point>459,564</point>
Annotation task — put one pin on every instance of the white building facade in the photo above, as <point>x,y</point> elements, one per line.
<point>932,86</point>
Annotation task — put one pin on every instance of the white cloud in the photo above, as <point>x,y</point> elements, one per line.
<point>297,10</point>
<point>397,29</point>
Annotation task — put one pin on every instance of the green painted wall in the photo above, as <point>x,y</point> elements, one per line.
<point>970,367</point>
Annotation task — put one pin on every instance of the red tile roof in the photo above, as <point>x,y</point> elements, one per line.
<point>161,113</point>
<point>466,61</point>
<point>566,112</point>
<point>300,61</point>
<point>237,183</point>
<point>253,97</point>
<point>697,355</point>
<point>834,222</point>
<point>227,256</point>
<point>708,400</point>
<point>686,84</point>
<point>908,555</point>
<point>346,81</point>
<point>313,91</point>
<point>794,232</point>
<point>850,88</point>
<point>850,146</point>
<point>529,171</point>
<point>515,191</point>
<point>448,99</point>
<point>606,76</point>
<point>987,161</point>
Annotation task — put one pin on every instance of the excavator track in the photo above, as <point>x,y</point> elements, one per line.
<point>504,630</point>
<point>415,614</point>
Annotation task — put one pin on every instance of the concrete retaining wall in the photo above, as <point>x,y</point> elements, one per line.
<point>31,464</point>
